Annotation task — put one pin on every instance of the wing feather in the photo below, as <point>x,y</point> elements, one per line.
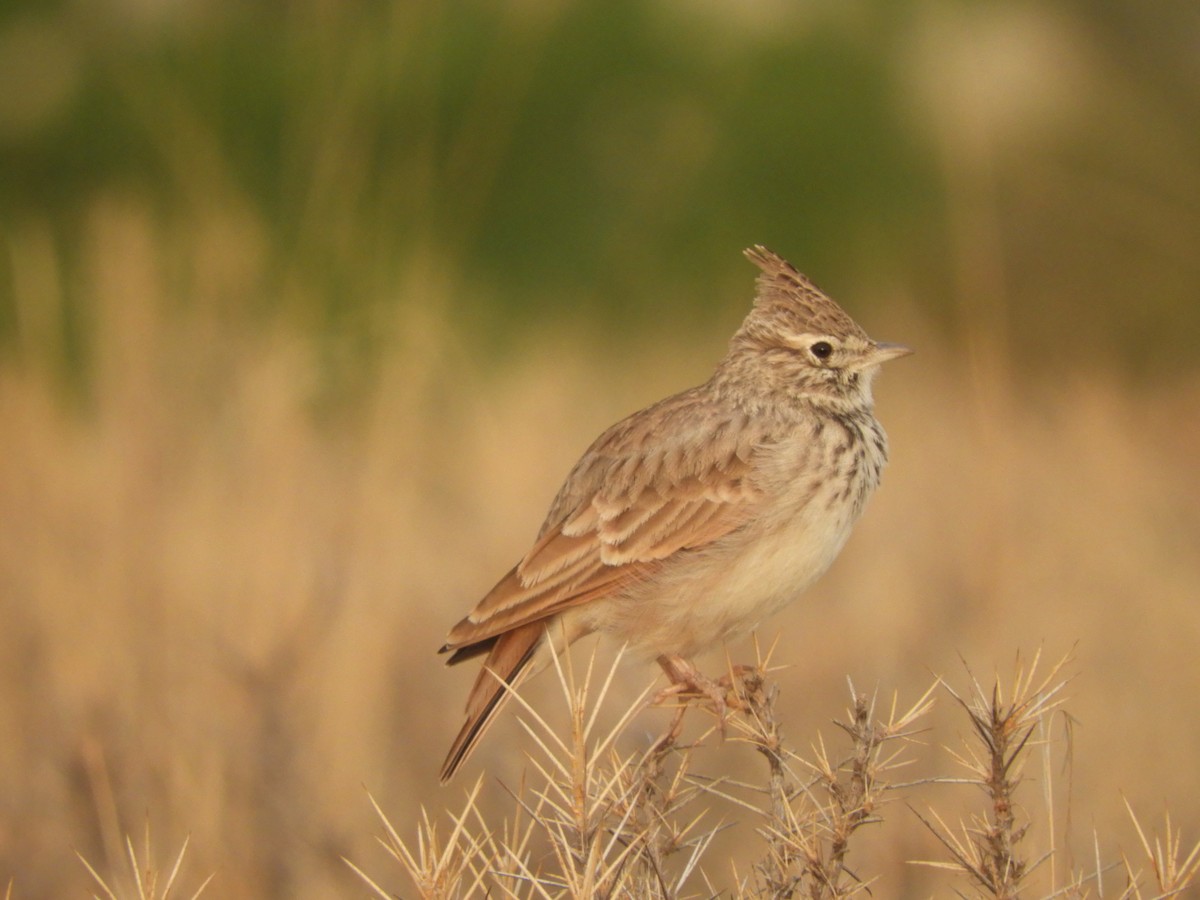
<point>675,527</point>
<point>647,488</point>
<point>515,605</point>
<point>553,553</point>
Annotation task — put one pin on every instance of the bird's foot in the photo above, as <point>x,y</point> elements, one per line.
<point>688,682</point>
<point>734,678</point>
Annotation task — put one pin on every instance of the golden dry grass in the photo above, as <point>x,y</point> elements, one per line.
<point>220,610</point>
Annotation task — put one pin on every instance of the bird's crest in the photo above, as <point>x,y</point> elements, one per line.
<point>785,297</point>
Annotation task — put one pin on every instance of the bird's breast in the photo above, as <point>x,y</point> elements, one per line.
<point>812,495</point>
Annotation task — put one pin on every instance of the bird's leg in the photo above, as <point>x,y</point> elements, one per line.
<point>687,680</point>
<point>671,735</point>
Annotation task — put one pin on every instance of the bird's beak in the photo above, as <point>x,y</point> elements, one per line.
<point>882,352</point>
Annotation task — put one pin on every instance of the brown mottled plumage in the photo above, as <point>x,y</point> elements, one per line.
<point>690,521</point>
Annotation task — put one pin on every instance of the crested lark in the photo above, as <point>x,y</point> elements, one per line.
<point>692,520</point>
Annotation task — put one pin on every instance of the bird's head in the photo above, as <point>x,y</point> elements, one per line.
<point>797,341</point>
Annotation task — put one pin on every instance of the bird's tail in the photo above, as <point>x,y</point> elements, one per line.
<point>507,662</point>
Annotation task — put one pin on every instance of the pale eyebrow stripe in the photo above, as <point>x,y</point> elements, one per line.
<point>803,342</point>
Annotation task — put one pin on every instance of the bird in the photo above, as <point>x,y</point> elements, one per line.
<point>689,522</point>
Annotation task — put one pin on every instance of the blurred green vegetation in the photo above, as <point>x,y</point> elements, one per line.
<point>1027,172</point>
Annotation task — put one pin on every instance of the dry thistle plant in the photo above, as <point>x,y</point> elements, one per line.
<point>597,822</point>
<point>989,848</point>
<point>440,868</point>
<point>815,804</point>
<point>596,819</point>
<point>1171,873</point>
<point>144,877</point>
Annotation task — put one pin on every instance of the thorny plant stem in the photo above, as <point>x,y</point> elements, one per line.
<point>759,698</point>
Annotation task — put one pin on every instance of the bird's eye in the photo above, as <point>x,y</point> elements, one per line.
<point>821,349</point>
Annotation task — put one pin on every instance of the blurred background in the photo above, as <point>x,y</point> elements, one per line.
<point>307,308</point>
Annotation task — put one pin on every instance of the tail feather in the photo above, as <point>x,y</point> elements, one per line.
<point>507,660</point>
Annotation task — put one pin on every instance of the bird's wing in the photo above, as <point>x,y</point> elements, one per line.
<point>674,477</point>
